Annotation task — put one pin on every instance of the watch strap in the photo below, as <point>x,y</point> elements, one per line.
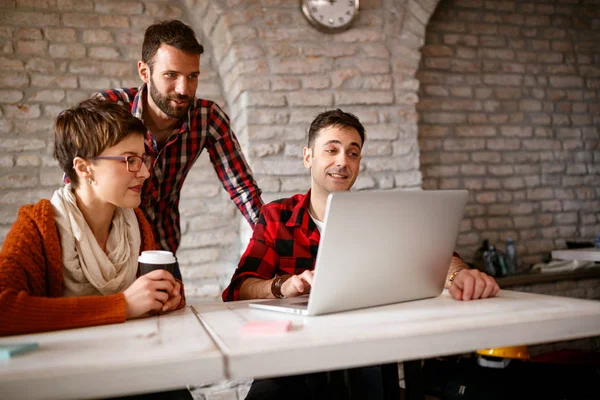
<point>277,283</point>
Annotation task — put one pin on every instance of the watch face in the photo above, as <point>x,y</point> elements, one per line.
<point>330,15</point>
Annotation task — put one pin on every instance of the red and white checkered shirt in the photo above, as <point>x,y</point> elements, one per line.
<point>205,127</point>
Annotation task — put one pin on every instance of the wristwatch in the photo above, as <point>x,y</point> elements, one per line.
<point>277,283</point>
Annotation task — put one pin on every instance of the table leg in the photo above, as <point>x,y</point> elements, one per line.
<point>413,379</point>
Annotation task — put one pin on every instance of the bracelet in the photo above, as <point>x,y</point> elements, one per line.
<point>277,283</point>
<point>453,275</point>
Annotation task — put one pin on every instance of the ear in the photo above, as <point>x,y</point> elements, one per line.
<point>83,168</point>
<point>144,71</point>
<point>307,157</point>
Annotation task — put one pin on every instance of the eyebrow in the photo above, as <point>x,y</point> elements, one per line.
<point>334,141</point>
<point>172,71</point>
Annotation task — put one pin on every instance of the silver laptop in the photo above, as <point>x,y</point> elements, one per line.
<point>380,247</point>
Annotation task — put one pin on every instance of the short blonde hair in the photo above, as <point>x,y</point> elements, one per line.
<point>88,129</point>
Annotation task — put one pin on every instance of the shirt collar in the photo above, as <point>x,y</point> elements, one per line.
<point>300,216</point>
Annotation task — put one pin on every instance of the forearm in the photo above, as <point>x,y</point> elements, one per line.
<point>21,313</point>
<point>256,288</point>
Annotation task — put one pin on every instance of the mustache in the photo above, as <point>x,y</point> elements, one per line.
<point>180,97</point>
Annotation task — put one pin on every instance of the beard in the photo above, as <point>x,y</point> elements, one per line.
<point>164,102</point>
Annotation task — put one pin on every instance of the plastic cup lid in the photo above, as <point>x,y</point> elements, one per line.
<point>156,257</point>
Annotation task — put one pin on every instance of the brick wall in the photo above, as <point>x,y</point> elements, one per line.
<point>55,53</point>
<point>510,109</point>
<point>263,63</point>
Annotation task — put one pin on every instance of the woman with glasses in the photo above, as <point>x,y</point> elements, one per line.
<point>71,261</point>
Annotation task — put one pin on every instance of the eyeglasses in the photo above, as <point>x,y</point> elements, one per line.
<point>133,163</point>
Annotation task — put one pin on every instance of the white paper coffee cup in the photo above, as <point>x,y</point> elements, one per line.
<point>151,260</point>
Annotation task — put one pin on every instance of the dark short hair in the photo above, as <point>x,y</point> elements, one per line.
<point>173,33</point>
<point>89,128</point>
<point>334,118</point>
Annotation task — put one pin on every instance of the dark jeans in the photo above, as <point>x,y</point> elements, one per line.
<point>350,384</point>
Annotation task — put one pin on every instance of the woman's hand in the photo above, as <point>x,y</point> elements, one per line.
<point>150,292</point>
<point>174,298</point>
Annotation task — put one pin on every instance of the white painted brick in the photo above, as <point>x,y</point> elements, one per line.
<point>377,148</point>
<point>40,65</point>
<point>104,53</point>
<point>119,7</point>
<point>381,132</point>
<point>48,96</point>
<point>265,149</point>
<point>363,97</point>
<point>28,126</point>
<point>284,83</point>
<point>60,34</point>
<point>301,66</point>
<point>202,271</point>
<point>204,190</point>
<point>22,111</point>
<point>162,11</point>
<point>52,111</point>
<point>46,81</point>
<point>287,132</point>
<point>385,181</point>
<point>197,257</point>
<point>299,184</point>
<point>295,149</point>
<point>51,177</point>
<point>8,213</point>
<point>268,184</point>
<point>72,50</point>
<point>10,96</point>
<point>360,35</point>
<point>13,80</point>
<point>364,182</point>
<point>208,238</point>
<point>306,99</point>
<point>10,64</point>
<point>404,163</point>
<point>277,166</point>
<point>76,5</point>
<point>315,82</point>
<point>252,99</point>
<point>27,160</point>
<point>18,178</point>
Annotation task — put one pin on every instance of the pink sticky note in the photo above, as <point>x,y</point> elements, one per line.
<point>265,327</point>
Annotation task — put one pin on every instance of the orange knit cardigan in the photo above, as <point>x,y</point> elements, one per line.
<point>31,279</point>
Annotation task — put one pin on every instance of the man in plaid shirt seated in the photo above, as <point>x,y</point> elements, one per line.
<point>180,126</point>
<point>281,255</point>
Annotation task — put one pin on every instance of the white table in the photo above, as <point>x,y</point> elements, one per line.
<point>145,355</point>
<point>398,332</point>
<point>585,254</point>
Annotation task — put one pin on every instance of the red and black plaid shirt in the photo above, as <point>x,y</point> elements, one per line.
<point>205,127</point>
<point>285,241</point>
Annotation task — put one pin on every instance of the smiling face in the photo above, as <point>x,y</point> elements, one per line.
<point>334,159</point>
<point>114,184</point>
<point>172,80</point>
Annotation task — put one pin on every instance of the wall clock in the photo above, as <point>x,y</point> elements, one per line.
<point>330,15</point>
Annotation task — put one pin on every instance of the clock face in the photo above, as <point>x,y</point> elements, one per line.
<point>330,15</point>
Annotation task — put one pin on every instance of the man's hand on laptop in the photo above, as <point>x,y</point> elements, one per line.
<point>471,284</point>
<point>298,284</point>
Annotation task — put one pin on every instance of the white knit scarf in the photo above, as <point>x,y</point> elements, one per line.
<point>87,269</point>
